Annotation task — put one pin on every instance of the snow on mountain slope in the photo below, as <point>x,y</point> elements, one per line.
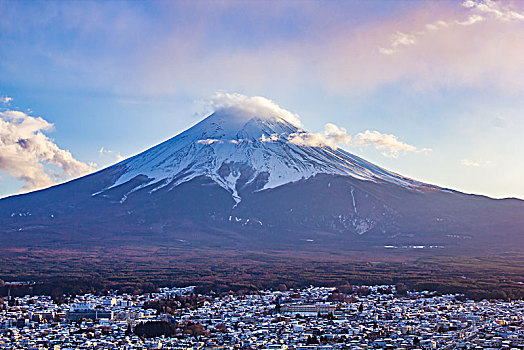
<point>238,146</point>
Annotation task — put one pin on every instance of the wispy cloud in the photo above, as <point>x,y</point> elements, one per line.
<point>398,40</point>
<point>208,141</point>
<point>494,8</point>
<point>389,144</point>
<point>483,7</point>
<point>103,151</point>
<point>475,164</point>
<point>5,99</point>
<point>25,152</point>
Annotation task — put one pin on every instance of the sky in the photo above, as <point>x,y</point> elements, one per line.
<point>431,90</point>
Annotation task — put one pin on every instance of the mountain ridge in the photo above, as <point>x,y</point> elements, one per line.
<point>239,180</point>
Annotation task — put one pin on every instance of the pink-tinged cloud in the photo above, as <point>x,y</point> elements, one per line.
<point>426,45</point>
<point>437,45</point>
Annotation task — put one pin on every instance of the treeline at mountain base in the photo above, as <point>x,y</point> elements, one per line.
<point>495,277</point>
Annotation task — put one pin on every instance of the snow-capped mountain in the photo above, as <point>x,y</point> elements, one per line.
<point>240,148</point>
<point>247,177</point>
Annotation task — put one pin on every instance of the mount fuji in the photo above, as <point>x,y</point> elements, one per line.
<point>237,150</point>
<point>247,177</point>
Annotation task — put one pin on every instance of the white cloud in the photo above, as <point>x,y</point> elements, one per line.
<point>500,122</point>
<point>332,136</point>
<point>25,152</point>
<point>270,138</point>
<point>475,164</point>
<point>495,9</point>
<point>243,106</point>
<point>398,40</point>
<point>310,139</point>
<point>5,99</point>
<point>102,151</point>
<point>389,144</point>
<point>470,20</point>
<point>337,134</point>
<point>208,141</point>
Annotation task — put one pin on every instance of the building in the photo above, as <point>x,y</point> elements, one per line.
<point>308,309</point>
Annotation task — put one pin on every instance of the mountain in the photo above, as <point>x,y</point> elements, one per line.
<point>248,179</point>
<point>237,152</point>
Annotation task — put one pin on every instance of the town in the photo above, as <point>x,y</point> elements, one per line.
<point>350,317</point>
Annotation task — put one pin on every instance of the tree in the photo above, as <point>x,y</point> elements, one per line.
<point>346,288</point>
<point>311,340</point>
<point>222,328</point>
<point>401,289</point>
<point>153,329</point>
<point>282,287</point>
<point>128,330</point>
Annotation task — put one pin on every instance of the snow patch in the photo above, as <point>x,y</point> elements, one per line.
<point>353,197</point>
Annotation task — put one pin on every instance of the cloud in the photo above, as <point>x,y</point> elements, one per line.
<point>208,141</point>
<point>117,155</point>
<point>236,104</point>
<point>241,106</point>
<point>499,122</point>
<point>494,8</point>
<point>26,152</point>
<point>188,49</point>
<point>399,39</point>
<point>5,99</point>
<point>335,136</point>
<point>475,164</point>
<point>432,45</point>
<point>389,144</point>
<point>332,136</point>
<point>270,138</point>
<point>484,7</point>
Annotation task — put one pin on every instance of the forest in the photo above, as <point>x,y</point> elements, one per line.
<point>494,277</point>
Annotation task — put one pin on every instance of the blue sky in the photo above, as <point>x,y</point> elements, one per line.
<point>123,76</point>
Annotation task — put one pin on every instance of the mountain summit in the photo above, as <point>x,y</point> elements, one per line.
<point>248,177</point>
<point>241,148</point>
